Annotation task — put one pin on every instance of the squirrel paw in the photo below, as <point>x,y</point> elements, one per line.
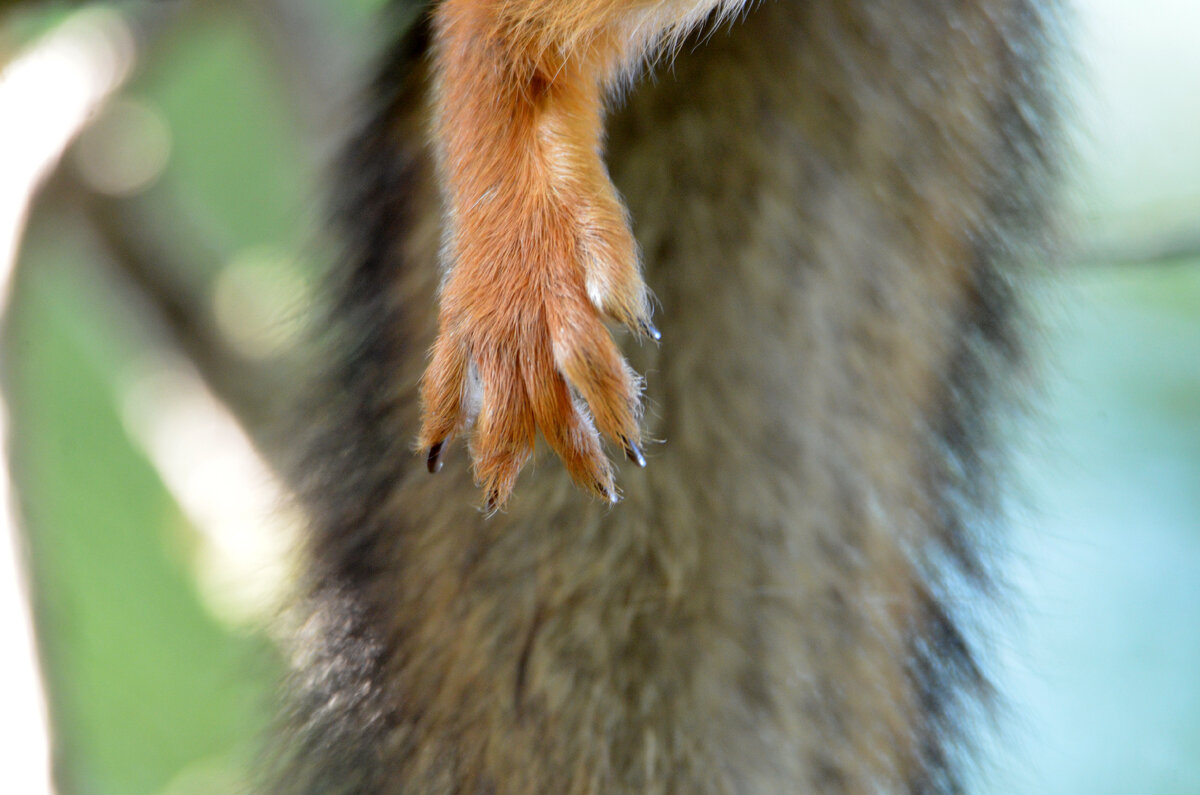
<point>522,346</point>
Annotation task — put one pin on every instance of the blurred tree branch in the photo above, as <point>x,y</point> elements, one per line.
<point>156,267</point>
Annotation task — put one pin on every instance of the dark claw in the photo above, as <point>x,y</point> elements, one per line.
<point>492,501</point>
<point>609,496</point>
<point>433,460</point>
<point>650,331</point>
<point>634,454</point>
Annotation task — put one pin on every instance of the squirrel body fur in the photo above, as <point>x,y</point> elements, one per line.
<point>832,200</point>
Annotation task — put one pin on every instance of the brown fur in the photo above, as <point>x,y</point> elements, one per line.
<point>831,198</point>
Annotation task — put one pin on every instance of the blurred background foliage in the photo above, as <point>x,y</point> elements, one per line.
<point>160,666</point>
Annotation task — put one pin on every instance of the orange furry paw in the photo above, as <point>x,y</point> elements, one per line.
<point>539,251</point>
<point>522,345</point>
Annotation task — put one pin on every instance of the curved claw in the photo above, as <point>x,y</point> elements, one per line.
<point>433,459</point>
<point>634,453</point>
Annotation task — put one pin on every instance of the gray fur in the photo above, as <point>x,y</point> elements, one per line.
<point>833,199</point>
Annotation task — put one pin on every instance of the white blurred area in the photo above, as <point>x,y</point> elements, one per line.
<point>52,88</point>
<point>1138,110</point>
<point>242,559</point>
